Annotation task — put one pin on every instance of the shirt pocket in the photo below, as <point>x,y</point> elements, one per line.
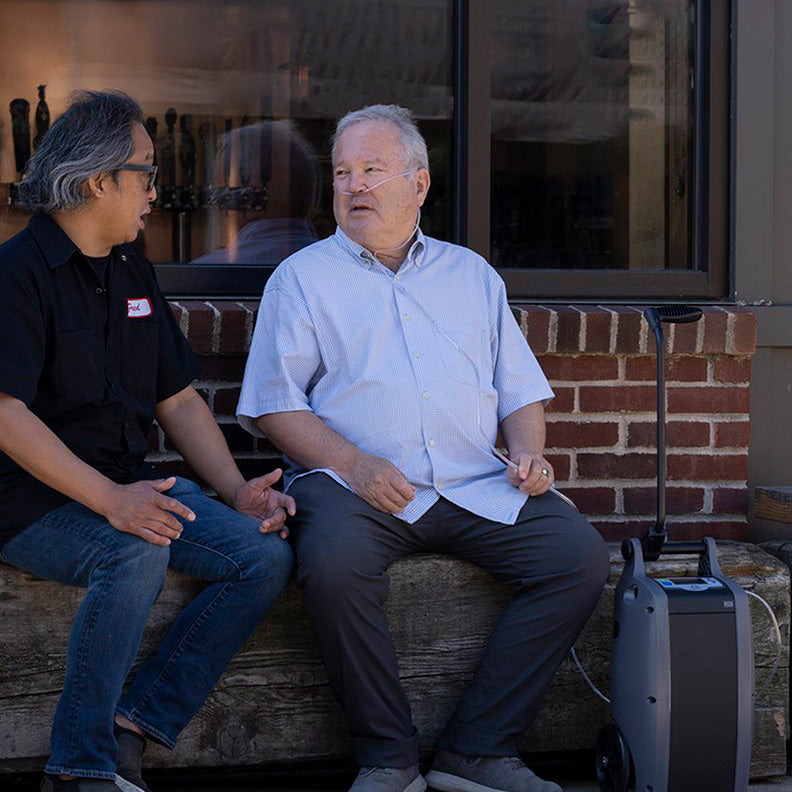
<point>79,366</point>
<point>139,359</point>
<point>465,351</point>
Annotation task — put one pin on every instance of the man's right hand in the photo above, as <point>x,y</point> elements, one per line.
<point>141,509</point>
<point>381,484</point>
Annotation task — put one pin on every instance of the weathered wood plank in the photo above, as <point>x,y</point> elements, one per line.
<point>273,702</point>
<point>773,503</point>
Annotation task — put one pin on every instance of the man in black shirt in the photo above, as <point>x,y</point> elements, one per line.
<point>91,355</point>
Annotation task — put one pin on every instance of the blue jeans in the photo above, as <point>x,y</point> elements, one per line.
<point>123,575</point>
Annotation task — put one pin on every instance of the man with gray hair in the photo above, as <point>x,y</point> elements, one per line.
<point>92,355</point>
<point>383,364</point>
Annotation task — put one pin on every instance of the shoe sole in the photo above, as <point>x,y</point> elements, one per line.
<point>446,782</point>
<point>418,784</point>
<point>127,786</point>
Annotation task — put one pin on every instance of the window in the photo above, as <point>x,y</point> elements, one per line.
<point>568,140</point>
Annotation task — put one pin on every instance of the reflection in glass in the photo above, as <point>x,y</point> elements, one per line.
<point>258,74</point>
<point>591,110</point>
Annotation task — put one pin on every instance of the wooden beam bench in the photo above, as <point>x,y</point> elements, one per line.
<point>773,503</point>
<point>273,703</point>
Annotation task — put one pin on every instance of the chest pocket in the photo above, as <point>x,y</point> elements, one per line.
<point>79,367</point>
<point>139,358</point>
<point>464,349</point>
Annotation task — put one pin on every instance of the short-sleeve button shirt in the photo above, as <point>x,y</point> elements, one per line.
<point>418,367</point>
<point>90,359</point>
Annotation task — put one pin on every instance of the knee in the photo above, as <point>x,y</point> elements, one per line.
<point>270,560</point>
<point>138,562</point>
<point>587,558</point>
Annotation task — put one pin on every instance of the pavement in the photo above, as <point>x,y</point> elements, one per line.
<point>573,775</point>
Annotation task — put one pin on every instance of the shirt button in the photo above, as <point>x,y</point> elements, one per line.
<point>398,277</point>
<point>407,317</point>
<point>123,257</point>
<point>431,442</point>
<point>425,394</point>
<point>439,485</point>
<point>99,290</point>
<point>417,355</point>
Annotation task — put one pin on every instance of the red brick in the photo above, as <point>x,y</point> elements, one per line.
<point>224,369</point>
<point>616,466</point>
<point>233,328</point>
<point>628,329</point>
<point>592,500</point>
<point>715,325</point>
<point>623,529</point>
<point>561,465</point>
<point>679,368</point>
<point>708,467</point>
<point>730,500</point>
<point>177,311</point>
<point>733,435</point>
<point>581,434</point>
<point>537,327</point>
<point>567,368</point>
<point>685,338</point>
<point>616,398</point>
<point>568,329</point>
<point>679,434</point>
<point>226,400</point>
<point>598,329</point>
<point>252,306</point>
<point>679,500</point>
<point>735,530</point>
<point>237,438</point>
<point>201,326</point>
<point>707,400</point>
<point>732,369</point>
<point>744,332</point>
<point>564,401</point>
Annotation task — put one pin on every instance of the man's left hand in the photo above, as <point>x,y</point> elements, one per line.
<point>257,499</point>
<point>532,473</point>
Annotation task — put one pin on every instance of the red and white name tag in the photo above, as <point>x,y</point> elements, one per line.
<point>137,307</point>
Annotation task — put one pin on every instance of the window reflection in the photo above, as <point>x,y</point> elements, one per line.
<point>590,133</point>
<point>242,98</point>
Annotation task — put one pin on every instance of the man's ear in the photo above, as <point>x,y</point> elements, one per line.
<point>422,182</point>
<point>96,185</point>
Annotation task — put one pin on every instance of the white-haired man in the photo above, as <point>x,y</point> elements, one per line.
<point>383,364</point>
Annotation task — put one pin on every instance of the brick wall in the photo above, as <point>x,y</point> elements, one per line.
<point>601,425</point>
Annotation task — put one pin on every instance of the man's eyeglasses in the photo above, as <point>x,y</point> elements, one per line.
<point>151,170</point>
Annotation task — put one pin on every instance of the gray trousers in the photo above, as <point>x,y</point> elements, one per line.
<point>554,561</point>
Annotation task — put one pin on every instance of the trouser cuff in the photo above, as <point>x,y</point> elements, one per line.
<point>471,741</point>
<point>375,752</point>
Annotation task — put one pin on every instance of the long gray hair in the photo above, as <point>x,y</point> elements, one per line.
<point>93,136</point>
<point>415,155</point>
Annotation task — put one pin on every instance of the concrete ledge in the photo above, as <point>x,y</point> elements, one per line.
<point>273,703</point>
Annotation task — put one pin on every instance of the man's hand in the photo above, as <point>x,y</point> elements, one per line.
<point>381,484</point>
<point>141,509</point>
<point>531,473</point>
<point>256,499</point>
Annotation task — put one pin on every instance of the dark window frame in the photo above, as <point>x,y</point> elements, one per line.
<point>711,140</point>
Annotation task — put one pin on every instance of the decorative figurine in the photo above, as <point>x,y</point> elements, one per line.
<point>169,149</point>
<point>187,151</point>
<point>20,130</point>
<point>151,128</point>
<point>42,117</point>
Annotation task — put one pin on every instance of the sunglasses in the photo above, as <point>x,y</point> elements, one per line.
<point>151,170</point>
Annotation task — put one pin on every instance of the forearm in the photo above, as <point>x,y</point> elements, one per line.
<point>524,430</point>
<point>37,449</point>
<point>303,437</point>
<point>191,427</point>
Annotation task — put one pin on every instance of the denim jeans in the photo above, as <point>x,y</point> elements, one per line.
<point>123,575</point>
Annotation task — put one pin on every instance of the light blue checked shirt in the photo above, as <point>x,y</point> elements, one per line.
<point>418,367</point>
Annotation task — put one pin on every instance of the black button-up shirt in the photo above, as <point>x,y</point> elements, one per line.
<point>90,361</point>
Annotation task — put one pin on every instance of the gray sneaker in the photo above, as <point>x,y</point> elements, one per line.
<point>452,772</point>
<point>389,779</point>
<point>55,784</point>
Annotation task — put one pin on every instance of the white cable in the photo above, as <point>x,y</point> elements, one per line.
<point>586,676</point>
<point>780,640</point>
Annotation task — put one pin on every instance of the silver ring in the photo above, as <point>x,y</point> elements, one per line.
<point>545,472</point>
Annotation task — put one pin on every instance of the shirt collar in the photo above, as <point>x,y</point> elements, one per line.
<point>415,254</point>
<point>52,239</point>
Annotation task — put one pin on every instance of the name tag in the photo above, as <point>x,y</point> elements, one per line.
<point>138,307</point>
